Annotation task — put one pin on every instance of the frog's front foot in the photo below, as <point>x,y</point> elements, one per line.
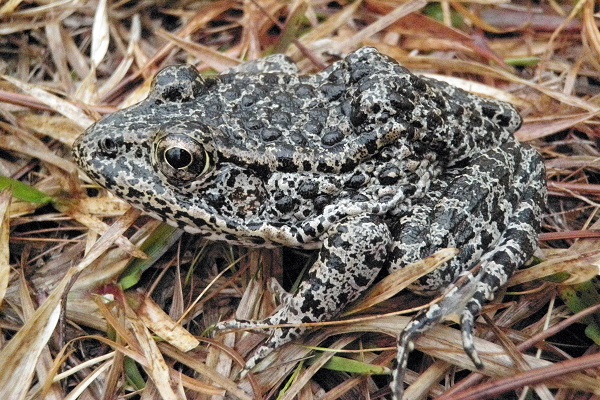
<point>353,253</point>
<point>283,335</point>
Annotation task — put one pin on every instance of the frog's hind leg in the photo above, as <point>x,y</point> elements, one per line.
<point>468,295</point>
<point>491,211</point>
<point>353,253</point>
<point>516,246</point>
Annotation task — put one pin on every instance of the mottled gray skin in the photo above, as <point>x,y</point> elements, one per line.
<point>373,166</point>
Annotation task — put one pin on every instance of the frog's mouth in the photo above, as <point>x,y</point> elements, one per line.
<point>82,156</point>
<point>79,152</point>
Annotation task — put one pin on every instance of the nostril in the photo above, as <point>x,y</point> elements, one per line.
<point>108,146</point>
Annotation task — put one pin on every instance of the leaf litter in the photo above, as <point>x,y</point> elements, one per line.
<point>69,329</point>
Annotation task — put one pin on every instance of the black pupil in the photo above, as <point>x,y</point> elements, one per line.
<point>178,157</point>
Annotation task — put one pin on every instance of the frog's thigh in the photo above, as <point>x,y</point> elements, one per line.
<point>467,209</point>
<point>352,255</point>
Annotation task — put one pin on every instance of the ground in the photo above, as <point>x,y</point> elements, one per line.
<point>81,309</point>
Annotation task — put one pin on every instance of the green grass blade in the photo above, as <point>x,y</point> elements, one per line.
<point>25,192</point>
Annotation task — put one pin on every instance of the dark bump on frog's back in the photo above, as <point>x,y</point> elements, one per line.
<point>393,167</point>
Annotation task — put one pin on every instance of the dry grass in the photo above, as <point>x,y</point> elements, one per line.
<point>68,327</point>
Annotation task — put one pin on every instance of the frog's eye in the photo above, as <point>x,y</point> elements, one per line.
<point>181,158</point>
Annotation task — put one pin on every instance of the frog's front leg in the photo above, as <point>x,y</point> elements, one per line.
<point>353,252</point>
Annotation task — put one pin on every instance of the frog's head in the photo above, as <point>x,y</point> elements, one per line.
<point>159,156</point>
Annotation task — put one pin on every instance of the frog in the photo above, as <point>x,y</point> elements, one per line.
<point>365,163</point>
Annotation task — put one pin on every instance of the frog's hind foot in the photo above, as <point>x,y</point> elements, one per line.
<point>454,298</point>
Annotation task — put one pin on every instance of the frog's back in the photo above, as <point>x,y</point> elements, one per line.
<point>332,121</point>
